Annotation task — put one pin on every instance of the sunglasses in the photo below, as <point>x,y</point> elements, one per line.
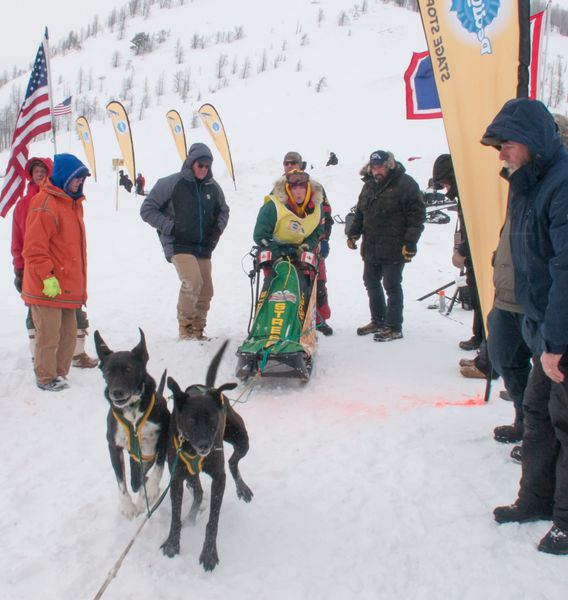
<point>291,162</point>
<point>202,166</point>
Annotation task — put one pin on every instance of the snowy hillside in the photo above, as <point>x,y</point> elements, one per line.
<point>377,479</point>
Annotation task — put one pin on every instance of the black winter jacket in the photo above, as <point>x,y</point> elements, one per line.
<point>189,214</point>
<point>389,214</point>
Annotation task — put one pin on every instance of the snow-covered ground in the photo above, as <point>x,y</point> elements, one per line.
<point>374,481</point>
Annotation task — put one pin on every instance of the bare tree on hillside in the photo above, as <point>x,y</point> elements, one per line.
<point>222,62</point>
<point>179,52</point>
<point>320,17</point>
<point>321,85</point>
<point>115,60</point>
<point>160,84</point>
<point>343,19</point>
<point>245,71</point>
<point>263,63</point>
<point>112,19</point>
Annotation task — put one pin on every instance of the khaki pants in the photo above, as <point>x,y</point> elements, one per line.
<point>195,292</point>
<point>56,330</point>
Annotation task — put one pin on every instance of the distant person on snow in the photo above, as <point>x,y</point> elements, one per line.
<point>55,269</point>
<point>140,183</point>
<point>390,216</point>
<point>189,211</point>
<point>332,160</point>
<point>125,181</point>
<point>37,169</point>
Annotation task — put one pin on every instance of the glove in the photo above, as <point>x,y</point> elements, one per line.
<point>51,287</point>
<point>18,279</point>
<point>458,260</point>
<point>352,243</point>
<point>324,248</point>
<point>408,251</point>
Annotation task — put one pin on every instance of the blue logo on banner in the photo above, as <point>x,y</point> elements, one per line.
<point>177,129</point>
<point>216,127</point>
<point>86,136</point>
<point>475,16</point>
<point>121,126</point>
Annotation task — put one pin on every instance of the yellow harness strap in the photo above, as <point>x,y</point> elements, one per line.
<point>133,432</point>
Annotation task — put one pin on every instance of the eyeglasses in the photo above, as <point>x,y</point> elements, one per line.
<point>202,166</point>
<point>288,163</point>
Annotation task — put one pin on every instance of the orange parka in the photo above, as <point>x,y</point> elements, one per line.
<point>55,245</point>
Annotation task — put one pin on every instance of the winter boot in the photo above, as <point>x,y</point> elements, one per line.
<point>509,434</point>
<point>387,335</point>
<point>200,336</point>
<point>472,372</point>
<point>472,344</point>
<point>517,513</point>
<point>81,359</point>
<point>555,541</point>
<point>55,385</point>
<point>517,454</point>
<point>324,328</point>
<point>467,362</point>
<point>369,328</point>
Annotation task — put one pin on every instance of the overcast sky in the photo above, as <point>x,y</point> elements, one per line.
<point>24,21</point>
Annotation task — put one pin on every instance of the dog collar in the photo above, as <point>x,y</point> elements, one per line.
<point>133,432</point>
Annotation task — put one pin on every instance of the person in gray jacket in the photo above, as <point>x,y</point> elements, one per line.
<point>189,211</point>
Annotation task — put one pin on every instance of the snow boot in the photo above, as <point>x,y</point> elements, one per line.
<point>467,362</point>
<point>55,385</point>
<point>81,359</point>
<point>387,335</point>
<point>555,541</point>
<point>32,341</point>
<point>472,344</point>
<point>517,513</point>
<point>369,328</point>
<point>324,328</point>
<point>517,454</point>
<point>472,372</point>
<point>508,434</point>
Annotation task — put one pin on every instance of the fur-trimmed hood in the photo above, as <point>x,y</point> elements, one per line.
<point>279,191</point>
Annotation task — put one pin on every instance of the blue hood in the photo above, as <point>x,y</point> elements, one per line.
<point>526,122</point>
<point>65,168</point>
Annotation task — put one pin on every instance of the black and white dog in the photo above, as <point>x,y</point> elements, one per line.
<point>202,419</point>
<point>137,422</point>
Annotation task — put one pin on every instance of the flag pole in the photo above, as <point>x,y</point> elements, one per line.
<point>544,51</point>
<point>46,46</point>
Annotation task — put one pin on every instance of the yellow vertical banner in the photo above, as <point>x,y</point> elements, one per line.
<point>84,133</point>
<point>474,47</point>
<point>212,121</point>
<point>123,133</point>
<point>176,127</point>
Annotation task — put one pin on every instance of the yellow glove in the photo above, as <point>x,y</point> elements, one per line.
<point>352,243</point>
<point>51,287</point>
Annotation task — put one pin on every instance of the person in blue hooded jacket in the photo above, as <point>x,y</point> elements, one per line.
<point>189,211</point>
<point>536,167</point>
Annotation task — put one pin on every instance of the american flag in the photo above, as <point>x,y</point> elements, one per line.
<point>63,108</point>
<point>34,118</point>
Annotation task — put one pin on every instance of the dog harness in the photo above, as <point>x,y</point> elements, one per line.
<point>134,432</point>
<point>194,462</point>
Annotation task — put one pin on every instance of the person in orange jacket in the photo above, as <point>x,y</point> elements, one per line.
<point>37,169</point>
<point>55,269</point>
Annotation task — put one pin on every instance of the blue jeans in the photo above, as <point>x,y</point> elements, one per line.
<point>509,354</point>
<point>379,276</point>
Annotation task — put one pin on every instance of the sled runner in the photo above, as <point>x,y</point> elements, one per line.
<point>282,339</point>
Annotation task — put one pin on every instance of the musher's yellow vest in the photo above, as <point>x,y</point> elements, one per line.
<point>290,228</point>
